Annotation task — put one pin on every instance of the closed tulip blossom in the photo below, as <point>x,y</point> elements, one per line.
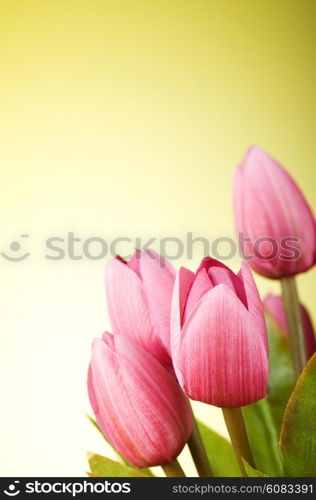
<point>275,224</point>
<point>139,295</point>
<point>138,404</point>
<point>218,335</point>
<point>273,304</point>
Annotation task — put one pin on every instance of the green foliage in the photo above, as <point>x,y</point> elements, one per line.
<point>251,472</point>
<point>220,453</point>
<point>105,467</point>
<point>263,438</point>
<point>281,376</point>
<point>298,435</point>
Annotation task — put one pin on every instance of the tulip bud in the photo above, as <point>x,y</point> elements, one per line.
<point>273,304</point>
<point>139,299</point>
<point>275,225</point>
<point>218,335</point>
<point>138,404</point>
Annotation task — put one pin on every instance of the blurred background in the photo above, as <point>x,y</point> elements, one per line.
<point>126,118</point>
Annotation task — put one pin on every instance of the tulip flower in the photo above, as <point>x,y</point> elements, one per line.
<point>273,304</point>
<point>218,335</point>
<point>272,218</point>
<point>139,299</point>
<point>138,404</point>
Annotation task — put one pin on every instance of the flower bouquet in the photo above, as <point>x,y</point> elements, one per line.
<point>207,336</point>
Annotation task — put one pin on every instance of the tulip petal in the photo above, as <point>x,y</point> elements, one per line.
<point>220,274</point>
<point>223,359</point>
<point>145,415</point>
<point>158,278</point>
<point>183,282</point>
<point>133,263</point>
<point>255,307</point>
<point>200,286</point>
<point>310,339</point>
<point>91,394</point>
<point>128,309</point>
<point>113,405</point>
<point>164,395</point>
<point>223,275</point>
<point>269,208</point>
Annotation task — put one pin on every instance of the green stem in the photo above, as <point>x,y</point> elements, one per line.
<point>198,452</point>
<point>238,435</point>
<point>173,469</point>
<point>294,324</point>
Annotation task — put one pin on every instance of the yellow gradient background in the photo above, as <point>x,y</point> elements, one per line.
<point>126,118</point>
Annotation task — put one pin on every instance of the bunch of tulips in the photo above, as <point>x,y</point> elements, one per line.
<point>203,336</point>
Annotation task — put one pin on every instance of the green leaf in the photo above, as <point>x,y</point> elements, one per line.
<point>122,459</point>
<point>220,453</point>
<point>251,471</point>
<point>105,467</point>
<point>281,376</point>
<point>263,438</point>
<point>298,435</point>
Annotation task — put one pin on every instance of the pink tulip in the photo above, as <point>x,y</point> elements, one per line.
<point>218,335</point>
<point>275,225</point>
<point>139,299</point>
<point>273,304</point>
<point>138,404</point>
